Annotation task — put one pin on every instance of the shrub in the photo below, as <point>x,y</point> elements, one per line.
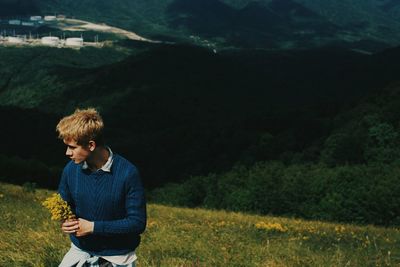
<point>357,193</point>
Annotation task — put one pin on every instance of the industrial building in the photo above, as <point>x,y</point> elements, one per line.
<point>35,18</point>
<point>50,40</point>
<point>28,23</point>
<point>74,42</point>
<point>14,22</point>
<point>50,18</point>
<point>15,40</point>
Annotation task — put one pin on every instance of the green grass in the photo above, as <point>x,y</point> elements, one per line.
<point>197,237</point>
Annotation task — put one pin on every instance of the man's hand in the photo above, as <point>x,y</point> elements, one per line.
<point>70,226</point>
<point>79,227</point>
<point>84,227</point>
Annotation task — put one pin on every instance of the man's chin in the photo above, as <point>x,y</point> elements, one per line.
<point>76,161</point>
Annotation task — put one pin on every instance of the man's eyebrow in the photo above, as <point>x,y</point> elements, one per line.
<point>71,146</point>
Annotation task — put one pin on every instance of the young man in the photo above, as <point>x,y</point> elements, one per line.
<point>105,193</point>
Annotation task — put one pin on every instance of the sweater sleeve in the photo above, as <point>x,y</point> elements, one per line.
<point>135,220</point>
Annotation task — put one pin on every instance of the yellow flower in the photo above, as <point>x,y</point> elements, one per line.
<point>277,227</point>
<point>340,229</point>
<point>59,208</point>
<point>221,223</point>
<point>152,224</point>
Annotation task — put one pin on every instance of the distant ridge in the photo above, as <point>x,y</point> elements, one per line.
<point>271,24</point>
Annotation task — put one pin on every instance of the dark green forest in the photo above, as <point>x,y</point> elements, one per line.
<point>352,175</point>
<point>314,130</point>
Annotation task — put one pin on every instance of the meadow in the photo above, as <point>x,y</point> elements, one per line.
<point>199,237</point>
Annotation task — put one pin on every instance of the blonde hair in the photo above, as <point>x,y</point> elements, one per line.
<point>83,125</point>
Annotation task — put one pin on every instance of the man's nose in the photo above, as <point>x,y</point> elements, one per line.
<point>68,152</point>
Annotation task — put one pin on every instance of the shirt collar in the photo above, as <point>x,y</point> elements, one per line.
<point>107,166</point>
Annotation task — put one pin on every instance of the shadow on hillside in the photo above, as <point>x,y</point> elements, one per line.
<point>389,5</point>
<point>255,23</point>
<point>18,8</point>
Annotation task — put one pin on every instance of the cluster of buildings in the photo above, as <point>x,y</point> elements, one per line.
<point>73,42</point>
<point>32,21</point>
<point>10,38</point>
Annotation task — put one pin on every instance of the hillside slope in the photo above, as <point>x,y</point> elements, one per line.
<point>276,24</point>
<point>187,237</point>
<point>185,109</point>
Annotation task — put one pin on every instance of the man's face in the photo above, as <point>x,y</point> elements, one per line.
<point>75,152</point>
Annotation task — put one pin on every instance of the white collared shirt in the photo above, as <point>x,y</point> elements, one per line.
<point>77,257</point>
<point>107,166</point>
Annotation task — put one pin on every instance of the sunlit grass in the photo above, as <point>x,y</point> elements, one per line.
<point>197,237</point>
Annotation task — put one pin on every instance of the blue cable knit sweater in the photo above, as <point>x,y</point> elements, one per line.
<point>113,200</point>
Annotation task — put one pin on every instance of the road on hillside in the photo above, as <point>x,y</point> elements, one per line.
<point>79,25</point>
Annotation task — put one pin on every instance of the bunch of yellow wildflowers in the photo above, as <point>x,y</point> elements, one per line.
<point>59,208</point>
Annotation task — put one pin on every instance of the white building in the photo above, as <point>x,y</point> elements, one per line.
<point>50,18</point>
<point>75,42</point>
<point>15,40</point>
<point>50,40</point>
<point>14,22</point>
<point>26,23</point>
<point>35,18</point>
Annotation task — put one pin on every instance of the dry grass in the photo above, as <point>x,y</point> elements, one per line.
<point>197,237</point>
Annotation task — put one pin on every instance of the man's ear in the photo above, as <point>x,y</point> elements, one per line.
<point>92,145</point>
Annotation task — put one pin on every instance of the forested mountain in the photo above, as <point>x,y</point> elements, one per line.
<point>275,24</point>
<point>349,172</point>
<point>187,110</point>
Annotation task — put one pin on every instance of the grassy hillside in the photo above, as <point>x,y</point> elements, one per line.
<point>195,237</point>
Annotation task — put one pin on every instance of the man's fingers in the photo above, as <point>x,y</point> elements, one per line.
<point>70,223</point>
<point>70,232</point>
<point>70,227</point>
